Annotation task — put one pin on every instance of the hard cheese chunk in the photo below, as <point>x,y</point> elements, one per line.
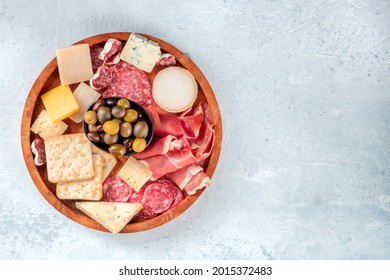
<point>60,103</point>
<point>85,97</point>
<point>141,52</point>
<point>111,215</point>
<point>74,64</point>
<point>134,173</point>
<point>44,127</point>
<point>91,189</point>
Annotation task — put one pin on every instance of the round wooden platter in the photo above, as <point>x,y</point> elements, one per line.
<point>49,78</point>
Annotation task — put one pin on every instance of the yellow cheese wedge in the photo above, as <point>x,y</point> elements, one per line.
<point>60,103</point>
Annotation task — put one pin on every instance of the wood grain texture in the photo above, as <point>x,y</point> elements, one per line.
<point>49,79</point>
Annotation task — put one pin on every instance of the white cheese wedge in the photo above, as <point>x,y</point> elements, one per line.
<point>141,52</point>
<point>134,173</point>
<point>44,127</point>
<point>85,97</point>
<point>111,215</point>
<point>74,64</point>
<point>174,89</point>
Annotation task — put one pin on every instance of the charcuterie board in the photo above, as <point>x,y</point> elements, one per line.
<point>49,78</point>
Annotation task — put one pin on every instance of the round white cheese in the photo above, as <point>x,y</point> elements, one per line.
<point>174,89</point>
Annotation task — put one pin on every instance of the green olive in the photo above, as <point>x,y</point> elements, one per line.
<point>117,150</point>
<point>92,128</point>
<point>119,121</point>
<point>110,139</point>
<point>111,127</point>
<point>139,144</point>
<point>118,112</point>
<point>126,129</point>
<point>103,114</point>
<point>141,129</point>
<point>131,116</point>
<point>123,103</point>
<point>90,117</point>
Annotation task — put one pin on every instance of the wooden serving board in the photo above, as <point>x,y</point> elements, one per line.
<point>49,78</point>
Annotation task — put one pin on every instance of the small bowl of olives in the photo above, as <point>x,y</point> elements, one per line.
<point>118,125</point>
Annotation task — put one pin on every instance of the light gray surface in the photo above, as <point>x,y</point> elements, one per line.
<point>304,93</point>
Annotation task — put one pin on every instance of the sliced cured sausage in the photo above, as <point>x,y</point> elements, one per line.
<point>95,52</point>
<point>111,52</point>
<point>129,82</point>
<point>38,149</point>
<point>146,212</point>
<point>116,190</point>
<point>160,195</point>
<point>102,78</point>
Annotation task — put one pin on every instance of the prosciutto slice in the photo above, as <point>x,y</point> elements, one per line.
<point>164,124</point>
<point>182,176</point>
<point>190,178</point>
<point>197,182</point>
<point>160,147</point>
<point>184,147</point>
<point>169,162</point>
<point>191,124</point>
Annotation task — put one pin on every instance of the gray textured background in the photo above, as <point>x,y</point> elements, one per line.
<point>304,93</point>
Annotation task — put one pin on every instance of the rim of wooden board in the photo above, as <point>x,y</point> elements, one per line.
<point>77,216</point>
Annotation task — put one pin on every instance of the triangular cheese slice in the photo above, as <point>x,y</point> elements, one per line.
<point>112,215</point>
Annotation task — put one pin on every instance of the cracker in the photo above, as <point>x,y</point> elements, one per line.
<point>109,161</point>
<point>134,173</point>
<point>91,189</point>
<point>111,215</point>
<point>69,158</point>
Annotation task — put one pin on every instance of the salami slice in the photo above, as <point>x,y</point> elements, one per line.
<point>116,190</point>
<point>102,78</point>
<point>129,82</point>
<point>111,52</point>
<point>167,60</point>
<point>38,149</point>
<point>159,195</point>
<point>178,196</point>
<point>146,212</point>
<point>95,52</point>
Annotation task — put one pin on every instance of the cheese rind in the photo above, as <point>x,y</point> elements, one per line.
<point>44,127</point>
<point>174,89</point>
<point>114,216</point>
<point>141,52</point>
<point>74,64</point>
<point>60,103</point>
<point>85,96</point>
<point>134,173</point>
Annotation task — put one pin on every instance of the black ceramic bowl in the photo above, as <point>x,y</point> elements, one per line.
<point>142,116</point>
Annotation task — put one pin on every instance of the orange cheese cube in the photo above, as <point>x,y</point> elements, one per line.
<point>60,103</point>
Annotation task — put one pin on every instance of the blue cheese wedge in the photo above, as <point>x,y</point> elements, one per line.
<point>111,215</point>
<point>134,173</point>
<point>141,52</point>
